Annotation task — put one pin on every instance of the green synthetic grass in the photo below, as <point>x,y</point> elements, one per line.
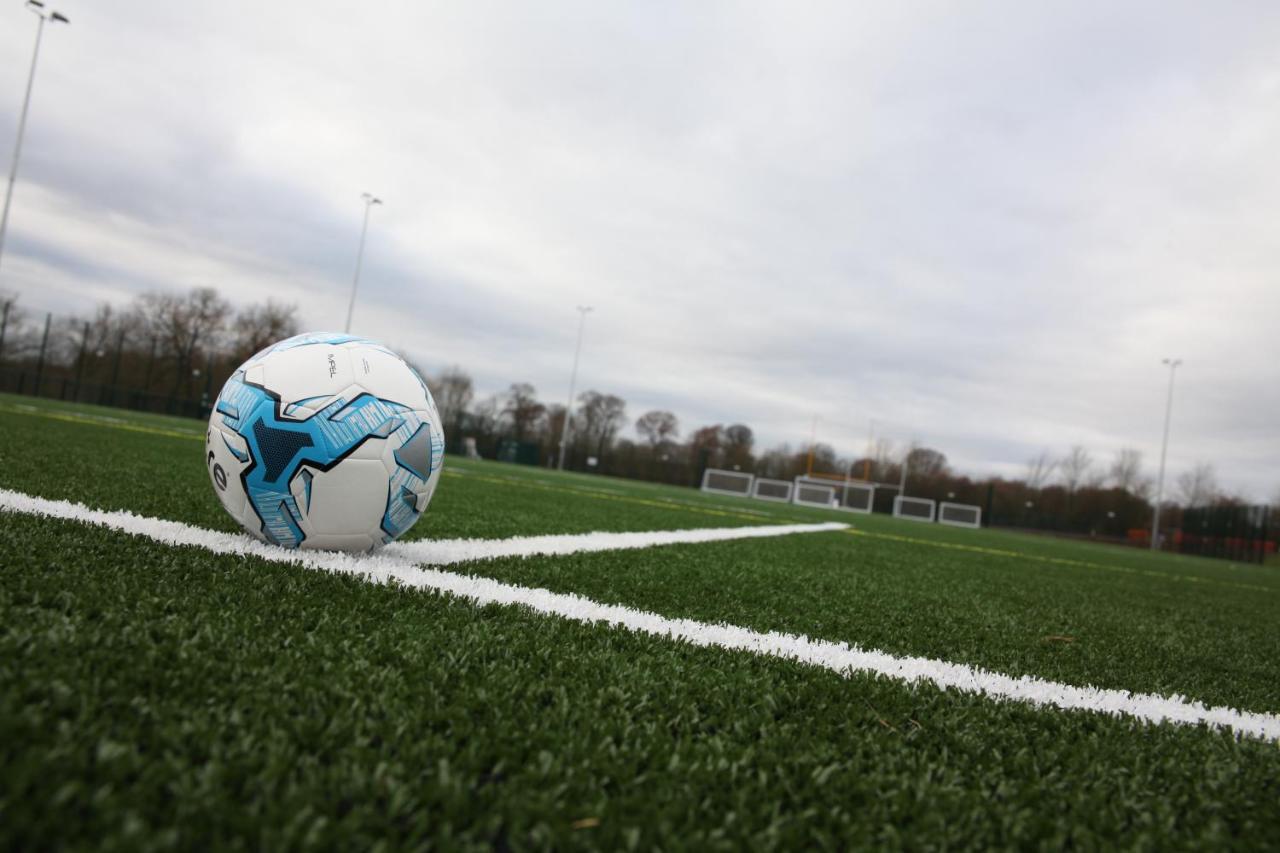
<point>184,700</point>
<point>168,697</point>
<point>112,465</point>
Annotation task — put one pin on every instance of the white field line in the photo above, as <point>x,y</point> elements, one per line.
<point>840,658</point>
<point>445,552</point>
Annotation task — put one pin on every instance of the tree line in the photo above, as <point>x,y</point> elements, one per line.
<point>164,351</point>
<point>170,351</point>
<point>1074,492</point>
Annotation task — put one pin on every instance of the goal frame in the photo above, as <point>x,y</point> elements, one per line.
<point>755,490</point>
<point>901,499</point>
<point>868,488</point>
<point>802,483</point>
<point>710,472</point>
<point>946,505</point>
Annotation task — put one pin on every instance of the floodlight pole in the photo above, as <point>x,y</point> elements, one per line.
<point>369,202</point>
<point>36,8</point>
<point>902,478</point>
<point>813,446</point>
<point>1172,363</point>
<point>583,311</point>
<point>866,468</point>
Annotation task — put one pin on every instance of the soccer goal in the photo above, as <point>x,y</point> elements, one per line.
<point>720,482</point>
<point>917,509</point>
<point>772,490</point>
<point>809,493</point>
<point>959,515</point>
<point>858,497</point>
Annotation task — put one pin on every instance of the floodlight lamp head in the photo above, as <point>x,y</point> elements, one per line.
<point>59,17</point>
<point>34,4</point>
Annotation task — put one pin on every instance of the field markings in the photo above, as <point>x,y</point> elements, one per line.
<point>671,504</point>
<point>732,510</point>
<point>89,420</point>
<point>571,490</point>
<point>841,658</point>
<point>1059,561</point>
<point>71,417</point>
<point>446,552</point>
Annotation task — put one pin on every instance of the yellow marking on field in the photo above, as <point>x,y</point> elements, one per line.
<point>1060,561</point>
<point>597,495</point>
<point>73,418</point>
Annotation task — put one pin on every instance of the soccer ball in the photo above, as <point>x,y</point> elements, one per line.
<point>325,441</point>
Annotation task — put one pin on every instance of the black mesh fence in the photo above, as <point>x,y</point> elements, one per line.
<point>1241,533</point>
<point>66,358</point>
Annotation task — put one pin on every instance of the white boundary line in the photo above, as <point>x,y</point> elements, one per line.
<point>446,552</point>
<point>840,658</point>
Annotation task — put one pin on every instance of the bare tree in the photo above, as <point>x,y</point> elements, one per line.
<point>259,326</point>
<point>107,335</point>
<point>552,424</point>
<point>884,460</point>
<point>1126,472</point>
<point>1199,486</point>
<point>601,415</point>
<point>705,444</point>
<point>103,329</point>
<point>927,463</point>
<point>657,427</point>
<point>453,392</point>
<point>824,459</point>
<point>738,442</point>
<point>1075,468</point>
<point>485,417</point>
<point>613,414</point>
<point>523,409</point>
<point>183,323</point>
<point>12,325</point>
<point>1040,470</point>
<point>1275,499</point>
<point>778,463</point>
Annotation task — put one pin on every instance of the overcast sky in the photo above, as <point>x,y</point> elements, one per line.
<point>982,225</point>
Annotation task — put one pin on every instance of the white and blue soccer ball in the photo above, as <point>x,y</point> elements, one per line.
<point>325,441</point>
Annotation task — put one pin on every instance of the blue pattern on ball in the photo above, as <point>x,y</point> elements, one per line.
<point>280,447</point>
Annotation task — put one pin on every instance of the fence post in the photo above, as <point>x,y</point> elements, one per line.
<point>151,362</point>
<point>1265,533</point>
<point>44,344</point>
<point>207,399</point>
<point>115,371</point>
<point>4,326</point>
<point>84,345</point>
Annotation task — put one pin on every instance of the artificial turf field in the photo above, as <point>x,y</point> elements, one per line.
<point>154,696</point>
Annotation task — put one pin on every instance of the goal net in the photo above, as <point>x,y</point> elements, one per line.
<point>772,490</point>
<point>809,493</point>
<point>917,509</point>
<point>959,515</point>
<point>719,482</point>
<point>858,497</point>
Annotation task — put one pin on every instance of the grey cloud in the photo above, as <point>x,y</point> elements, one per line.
<point>983,227</point>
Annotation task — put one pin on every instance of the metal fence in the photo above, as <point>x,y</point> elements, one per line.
<point>1246,534</point>
<point>58,358</point>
